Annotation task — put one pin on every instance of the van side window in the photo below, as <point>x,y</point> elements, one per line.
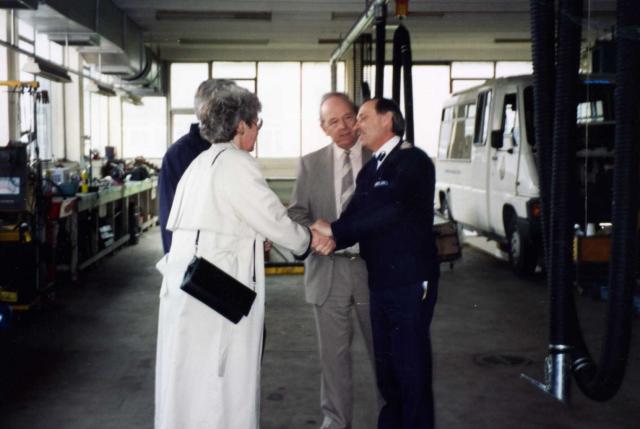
<point>481,129</point>
<point>510,123</point>
<point>445,132</point>
<point>460,132</point>
<point>528,115</point>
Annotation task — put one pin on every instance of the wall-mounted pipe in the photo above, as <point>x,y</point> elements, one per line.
<point>402,63</point>
<point>360,26</point>
<point>381,34</point>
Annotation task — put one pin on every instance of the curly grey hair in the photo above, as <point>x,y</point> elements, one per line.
<point>221,114</point>
<point>206,91</point>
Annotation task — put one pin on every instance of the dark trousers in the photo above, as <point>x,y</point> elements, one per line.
<point>400,321</point>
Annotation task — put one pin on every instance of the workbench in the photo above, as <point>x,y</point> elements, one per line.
<point>94,224</point>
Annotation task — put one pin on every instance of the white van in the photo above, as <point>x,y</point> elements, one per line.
<point>486,167</point>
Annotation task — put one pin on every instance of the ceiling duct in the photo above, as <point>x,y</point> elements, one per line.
<point>151,81</point>
<point>106,38</point>
<point>75,39</point>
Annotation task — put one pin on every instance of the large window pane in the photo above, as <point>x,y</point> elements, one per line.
<point>513,68</point>
<point>185,79</point>
<point>369,76</point>
<point>181,125</point>
<point>464,69</point>
<point>25,30</point>
<point>279,92</point>
<point>3,26</point>
<point>430,90</point>
<point>316,81</point>
<point>42,46</point>
<point>115,124</point>
<point>249,84</point>
<point>57,53</point>
<point>99,123</point>
<point>145,128</point>
<point>234,70</point>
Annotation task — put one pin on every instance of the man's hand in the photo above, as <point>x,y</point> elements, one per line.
<point>321,244</point>
<point>267,246</point>
<point>323,227</point>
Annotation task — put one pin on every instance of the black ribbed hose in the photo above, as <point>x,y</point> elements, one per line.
<point>563,183</point>
<point>397,67</point>
<point>381,22</point>
<point>543,55</point>
<point>402,62</point>
<point>604,383</point>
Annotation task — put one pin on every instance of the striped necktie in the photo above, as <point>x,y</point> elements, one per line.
<point>346,192</point>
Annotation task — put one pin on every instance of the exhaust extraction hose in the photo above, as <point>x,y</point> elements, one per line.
<point>598,382</point>
<point>602,384</point>
<point>402,62</point>
<point>381,22</point>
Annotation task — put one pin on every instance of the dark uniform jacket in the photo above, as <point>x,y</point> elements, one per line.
<point>391,216</point>
<point>175,162</point>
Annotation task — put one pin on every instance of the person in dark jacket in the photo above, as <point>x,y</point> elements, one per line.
<point>391,216</point>
<point>182,153</point>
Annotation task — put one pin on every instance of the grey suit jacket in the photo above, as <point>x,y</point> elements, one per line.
<point>314,198</point>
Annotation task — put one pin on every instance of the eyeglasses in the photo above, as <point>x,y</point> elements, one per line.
<point>258,123</point>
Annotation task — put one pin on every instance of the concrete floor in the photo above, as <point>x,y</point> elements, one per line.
<point>87,360</point>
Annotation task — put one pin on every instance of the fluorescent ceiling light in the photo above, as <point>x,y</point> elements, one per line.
<point>47,70</point>
<point>101,89</point>
<point>343,16</point>
<point>19,4</point>
<point>208,15</point>
<point>127,97</point>
<point>223,41</point>
<point>512,40</point>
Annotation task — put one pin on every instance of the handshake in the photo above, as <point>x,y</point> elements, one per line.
<point>322,241</point>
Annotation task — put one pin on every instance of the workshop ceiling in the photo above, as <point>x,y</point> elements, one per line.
<point>183,30</point>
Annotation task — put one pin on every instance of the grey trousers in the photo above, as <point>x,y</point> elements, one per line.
<point>335,325</point>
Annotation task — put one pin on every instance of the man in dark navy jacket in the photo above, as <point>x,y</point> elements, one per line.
<point>175,162</point>
<point>180,154</point>
<point>391,216</point>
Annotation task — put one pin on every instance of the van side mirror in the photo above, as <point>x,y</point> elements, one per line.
<point>496,139</point>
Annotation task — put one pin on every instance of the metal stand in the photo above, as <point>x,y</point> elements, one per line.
<point>557,374</point>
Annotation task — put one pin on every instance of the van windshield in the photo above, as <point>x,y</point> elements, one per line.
<point>595,106</point>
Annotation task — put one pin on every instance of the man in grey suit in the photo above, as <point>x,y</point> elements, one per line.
<point>336,285</point>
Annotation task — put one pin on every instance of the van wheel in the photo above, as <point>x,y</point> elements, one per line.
<point>522,254</point>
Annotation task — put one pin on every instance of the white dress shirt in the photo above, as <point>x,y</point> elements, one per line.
<point>386,148</point>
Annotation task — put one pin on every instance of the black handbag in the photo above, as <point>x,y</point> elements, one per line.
<point>217,289</point>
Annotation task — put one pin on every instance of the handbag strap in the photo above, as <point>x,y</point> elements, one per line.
<point>198,233</point>
<point>254,241</point>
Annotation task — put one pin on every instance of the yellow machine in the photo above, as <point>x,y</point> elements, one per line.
<point>22,216</point>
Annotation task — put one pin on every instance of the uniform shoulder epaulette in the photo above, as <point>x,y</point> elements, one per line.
<point>406,145</point>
